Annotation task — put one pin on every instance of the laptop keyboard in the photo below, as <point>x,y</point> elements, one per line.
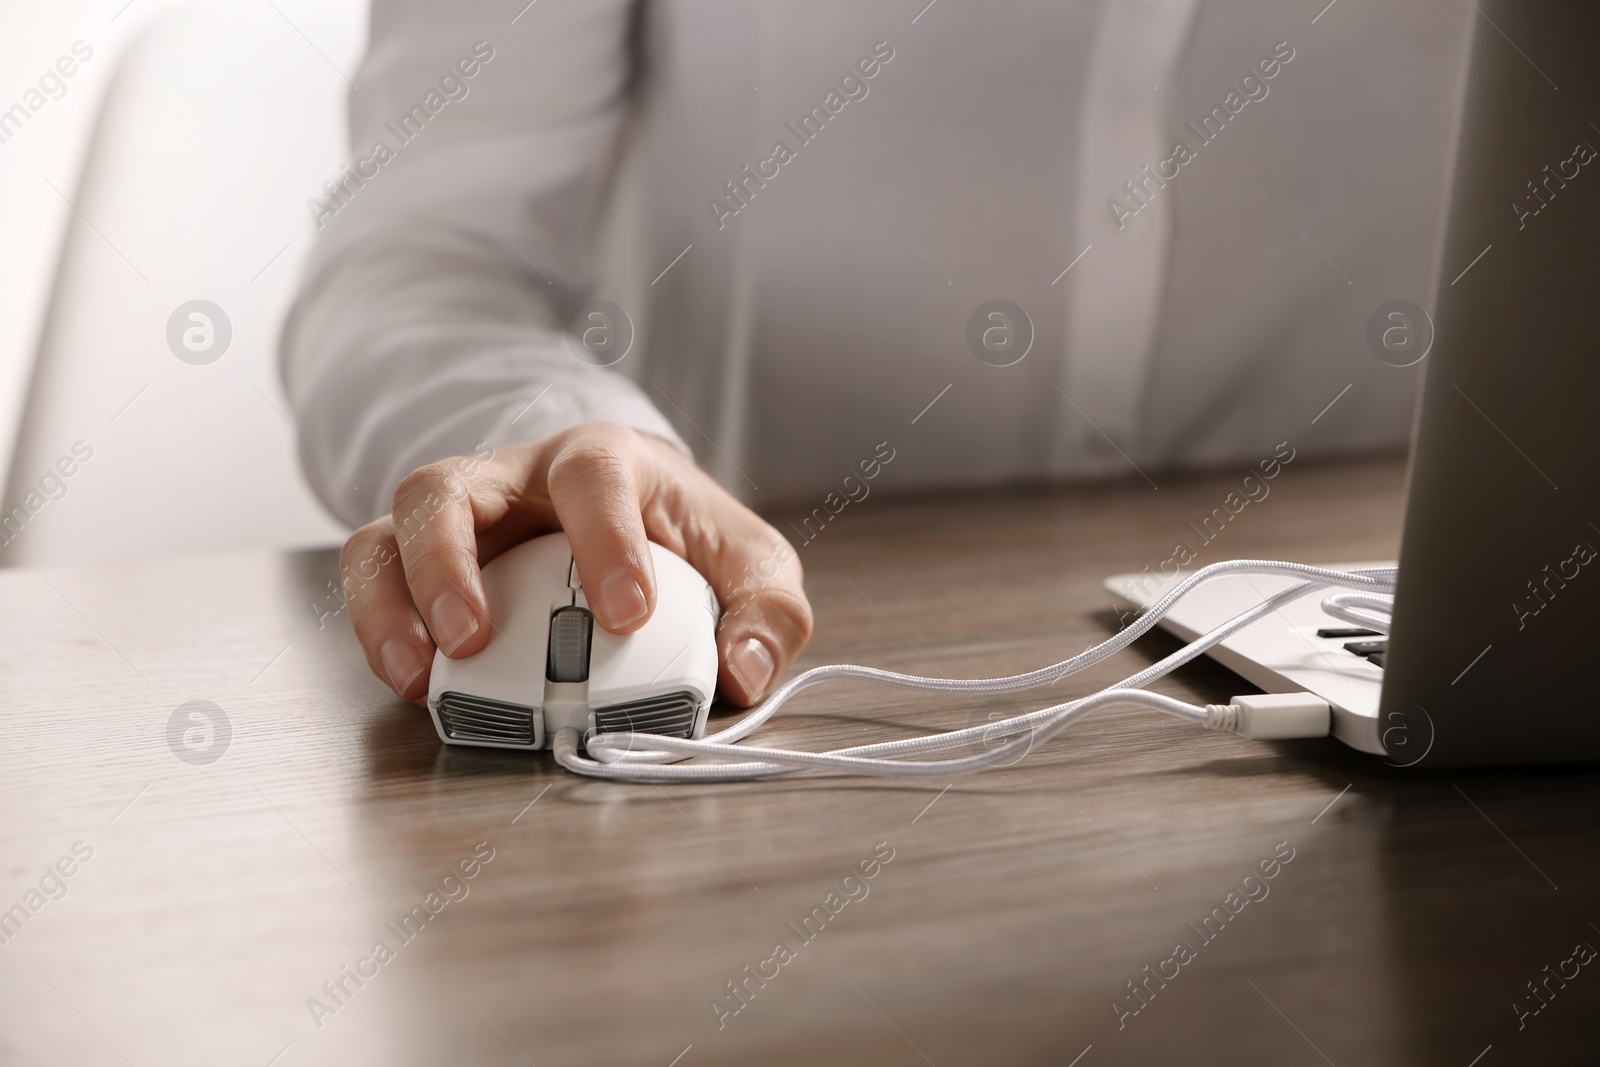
<point>1371,651</point>
<point>1346,631</point>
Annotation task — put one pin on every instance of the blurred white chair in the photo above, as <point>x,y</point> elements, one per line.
<point>219,123</point>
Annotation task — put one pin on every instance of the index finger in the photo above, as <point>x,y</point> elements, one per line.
<point>594,482</point>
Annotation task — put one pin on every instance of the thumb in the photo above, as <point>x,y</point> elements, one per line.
<point>766,619</point>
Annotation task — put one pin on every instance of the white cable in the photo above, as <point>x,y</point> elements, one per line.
<point>648,757</point>
<point>1368,612</point>
<point>755,762</point>
<point>615,747</point>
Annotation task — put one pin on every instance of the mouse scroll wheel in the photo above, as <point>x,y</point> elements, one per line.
<point>571,629</point>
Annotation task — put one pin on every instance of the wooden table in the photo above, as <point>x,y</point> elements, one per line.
<point>218,897</point>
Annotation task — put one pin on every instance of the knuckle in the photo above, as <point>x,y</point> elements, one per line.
<point>360,542</point>
<point>792,607</point>
<point>774,562</point>
<point>777,552</point>
<point>769,579</point>
<point>368,623</point>
<point>435,555</point>
<point>364,556</point>
<point>585,461</point>
<point>427,494</point>
<point>601,432</point>
<point>430,479</point>
<point>783,612</point>
<point>423,479</point>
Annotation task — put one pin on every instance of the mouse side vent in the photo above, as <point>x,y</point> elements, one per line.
<point>469,718</point>
<point>671,714</point>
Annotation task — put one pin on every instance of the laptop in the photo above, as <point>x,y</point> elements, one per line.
<point>1488,660</point>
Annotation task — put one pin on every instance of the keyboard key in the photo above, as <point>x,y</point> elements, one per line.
<point>1371,651</point>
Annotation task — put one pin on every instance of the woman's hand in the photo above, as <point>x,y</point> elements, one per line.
<point>412,582</point>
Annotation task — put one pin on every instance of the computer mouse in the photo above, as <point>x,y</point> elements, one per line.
<point>549,665</point>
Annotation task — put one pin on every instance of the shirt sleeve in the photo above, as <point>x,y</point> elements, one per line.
<point>454,247</point>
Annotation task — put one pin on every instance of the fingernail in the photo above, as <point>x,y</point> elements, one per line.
<point>401,662</point>
<point>620,600</point>
<point>451,621</point>
<point>751,663</point>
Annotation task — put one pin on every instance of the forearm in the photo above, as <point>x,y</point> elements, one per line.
<point>433,314</point>
<point>394,360</point>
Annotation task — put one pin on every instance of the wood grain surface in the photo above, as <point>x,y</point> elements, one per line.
<point>602,921</point>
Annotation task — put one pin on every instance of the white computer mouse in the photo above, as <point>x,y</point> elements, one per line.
<point>548,665</point>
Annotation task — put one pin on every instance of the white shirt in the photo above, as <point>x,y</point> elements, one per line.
<point>1215,304</point>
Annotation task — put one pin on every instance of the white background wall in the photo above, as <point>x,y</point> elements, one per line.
<point>187,146</point>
